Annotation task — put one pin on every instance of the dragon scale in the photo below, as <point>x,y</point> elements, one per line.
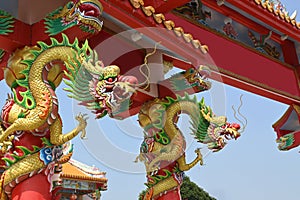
<point>37,120</point>
<point>177,144</point>
<point>31,140</point>
<point>37,116</point>
<point>164,159</point>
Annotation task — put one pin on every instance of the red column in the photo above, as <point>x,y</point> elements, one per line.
<point>36,187</point>
<point>289,53</point>
<point>171,195</point>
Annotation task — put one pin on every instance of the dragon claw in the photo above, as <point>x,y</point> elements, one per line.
<point>124,86</point>
<point>82,118</point>
<point>5,145</point>
<point>199,155</point>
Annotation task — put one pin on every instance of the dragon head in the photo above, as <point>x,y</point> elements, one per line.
<point>83,13</point>
<point>201,74</point>
<point>198,77</point>
<point>100,88</point>
<point>221,131</point>
<point>286,142</point>
<point>193,78</point>
<point>218,130</point>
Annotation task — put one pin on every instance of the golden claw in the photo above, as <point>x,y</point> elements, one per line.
<point>81,118</point>
<point>6,144</point>
<point>83,135</point>
<point>126,87</point>
<point>1,129</point>
<point>199,155</point>
<point>139,158</point>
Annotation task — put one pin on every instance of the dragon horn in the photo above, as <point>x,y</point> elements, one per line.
<point>97,67</point>
<point>206,116</point>
<point>98,64</point>
<point>9,96</point>
<point>283,139</point>
<point>95,56</point>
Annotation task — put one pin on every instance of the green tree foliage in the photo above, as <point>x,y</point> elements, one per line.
<point>190,191</point>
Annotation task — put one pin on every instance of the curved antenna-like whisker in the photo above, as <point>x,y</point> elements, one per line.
<point>243,123</point>
<point>246,121</point>
<point>147,73</point>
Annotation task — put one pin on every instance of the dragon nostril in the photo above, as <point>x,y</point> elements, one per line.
<point>29,102</point>
<point>236,126</point>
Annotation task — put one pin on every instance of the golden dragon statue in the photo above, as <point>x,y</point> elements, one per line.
<point>163,148</point>
<point>31,137</point>
<point>31,133</point>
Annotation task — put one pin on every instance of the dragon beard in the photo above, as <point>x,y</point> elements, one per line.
<point>110,95</point>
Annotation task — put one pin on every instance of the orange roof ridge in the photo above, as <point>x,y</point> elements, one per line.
<point>92,170</point>
<point>71,171</point>
<point>277,12</point>
<point>159,18</point>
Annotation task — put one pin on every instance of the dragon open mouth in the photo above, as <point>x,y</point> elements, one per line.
<point>221,134</point>
<point>107,88</point>
<point>231,131</point>
<point>202,75</point>
<point>90,14</point>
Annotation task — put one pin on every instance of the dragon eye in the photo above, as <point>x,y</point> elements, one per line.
<point>111,79</point>
<point>191,70</point>
<point>70,5</point>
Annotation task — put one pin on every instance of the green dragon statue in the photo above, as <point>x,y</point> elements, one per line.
<point>6,23</point>
<point>189,80</point>
<point>286,142</point>
<point>83,13</point>
<point>31,140</point>
<point>33,110</point>
<point>163,149</point>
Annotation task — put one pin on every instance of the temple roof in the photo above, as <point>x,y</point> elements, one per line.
<point>289,122</point>
<point>288,128</point>
<point>76,170</point>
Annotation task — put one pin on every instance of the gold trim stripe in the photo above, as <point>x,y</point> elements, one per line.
<point>255,83</point>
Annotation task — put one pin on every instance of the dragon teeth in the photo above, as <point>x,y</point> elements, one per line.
<point>31,173</point>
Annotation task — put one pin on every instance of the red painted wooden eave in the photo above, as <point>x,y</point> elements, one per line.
<point>250,7</point>
<point>235,15</point>
<point>242,63</point>
<point>162,6</point>
<point>239,63</point>
<point>18,38</point>
<point>136,19</point>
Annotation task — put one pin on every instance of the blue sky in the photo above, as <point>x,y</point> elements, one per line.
<point>250,168</point>
<point>291,6</point>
